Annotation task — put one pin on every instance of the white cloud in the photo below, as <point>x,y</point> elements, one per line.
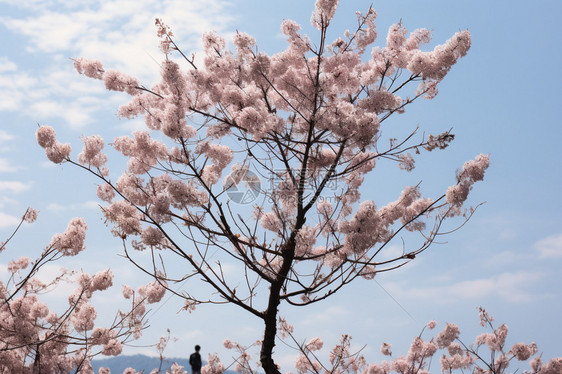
<point>14,89</point>
<point>6,65</point>
<point>60,208</point>
<point>6,166</point>
<point>5,137</point>
<point>74,115</point>
<point>7,220</point>
<point>390,252</point>
<point>120,33</point>
<point>511,287</point>
<point>4,200</point>
<point>331,313</point>
<point>13,187</point>
<point>550,247</point>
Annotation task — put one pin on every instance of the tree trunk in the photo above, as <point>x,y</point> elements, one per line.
<point>270,315</point>
<point>270,331</point>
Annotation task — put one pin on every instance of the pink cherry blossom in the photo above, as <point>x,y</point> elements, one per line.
<point>448,335</point>
<point>153,292</point>
<point>307,120</point>
<point>105,192</point>
<point>71,242</point>
<point>386,349</point>
<point>102,280</point>
<point>315,344</point>
<point>214,365</point>
<point>323,13</point>
<point>92,154</point>
<point>90,68</point>
<point>17,265</point>
<point>30,215</point>
<point>431,324</point>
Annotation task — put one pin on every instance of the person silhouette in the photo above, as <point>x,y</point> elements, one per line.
<point>195,361</point>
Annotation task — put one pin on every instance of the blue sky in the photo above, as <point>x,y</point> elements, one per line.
<point>503,99</point>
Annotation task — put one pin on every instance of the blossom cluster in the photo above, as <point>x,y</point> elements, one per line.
<point>457,356</point>
<point>312,117</point>
<point>36,337</point>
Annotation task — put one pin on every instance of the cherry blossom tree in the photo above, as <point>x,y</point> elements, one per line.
<point>262,160</point>
<point>488,354</point>
<point>38,338</point>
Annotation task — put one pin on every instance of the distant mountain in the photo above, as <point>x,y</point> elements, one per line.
<point>138,362</point>
<point>141,362</point>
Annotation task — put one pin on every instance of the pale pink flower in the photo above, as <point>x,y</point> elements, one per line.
<point>117,81</point>
<point>428,89</point>
<point>58,152</point>
<point>472,172</point>
<point>102,280</point>
<point>176,369</point>
<point>485,318</point>
<point>125,216</point>
<point>83,319</point>
<point>496,341</point>
<point>454,349</point>
<point>285,329</point>
<point>440,141</point>
<point>407,162</point>
<point>214,365</point>
<point>368,272</point>
<point>127,292</point>
<point>85,281</point>
<point>46,136</point>
<point>30,215</point>
<point>105,192</point>
<point>102,335</point>
<point>306,237</point>
<point>522,351</point>
<point>71,242</point>
<point>448,335</point>
<point>229,344</point>
<point>92,153</point>
<point>164,32</point>
<point>290,27</point>
<point>315,344</point>
<point>379,101</point>
<point>152,236</point>
<point>554,366</point>
<point>324,11</point>
<point>244,43</point>
<point>449,363</point>
<point>417,37</point>
<point>153,292</point>
<point>304,365</point>
<point>112,348</point>
<point>386,349</point>
<point>431,324</point>
<point>271,221</point>
<point>368,34</point>
<point>375,369</point>
<point>396,36</point>
<point>39,310</point>
<point>401,365</point>
<point>189,306</point>
<point>19,264</point>
<point>90,68</point>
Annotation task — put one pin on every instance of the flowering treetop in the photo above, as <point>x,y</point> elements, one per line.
<point>304,118</point>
